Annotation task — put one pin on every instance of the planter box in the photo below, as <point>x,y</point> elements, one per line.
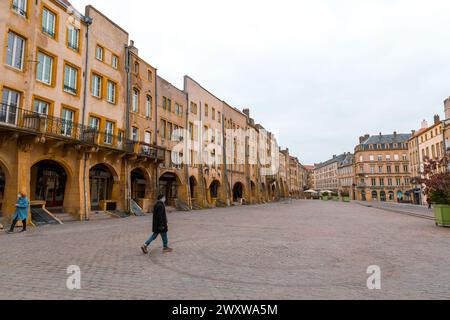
<point>442,214</point>
<point>346,199</point>
<point>325,198</point>
<point>336,198</point>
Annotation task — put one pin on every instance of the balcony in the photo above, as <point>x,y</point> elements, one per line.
<point>17,119</point>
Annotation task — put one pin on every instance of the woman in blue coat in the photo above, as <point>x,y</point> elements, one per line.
<point>21,212</point>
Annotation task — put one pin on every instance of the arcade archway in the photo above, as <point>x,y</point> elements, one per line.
<point>139,184</point>
<point>101,181</point>
<point>48,183</point>
<point>168,186</point>
<point>193,187</point>
<point>238,192</point>
<point>214,191</point>
<point>2,186</point>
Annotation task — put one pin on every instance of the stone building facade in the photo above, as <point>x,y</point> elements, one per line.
<point>382,170</point>
<point>86,123</point>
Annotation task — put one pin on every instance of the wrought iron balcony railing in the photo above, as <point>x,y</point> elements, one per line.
<point>16,118</point>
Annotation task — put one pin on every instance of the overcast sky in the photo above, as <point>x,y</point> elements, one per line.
<point>319,72</point>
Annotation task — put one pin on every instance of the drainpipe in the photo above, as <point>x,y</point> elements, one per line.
<point>186,154</point>
<point>156,135</point>
<point>127,122</point>
<point>224,143</point>
<point>83,119</point>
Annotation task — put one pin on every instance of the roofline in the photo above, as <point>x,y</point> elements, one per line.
<point>161,78</point>
<point>209,92</point>
<point>88,7</point>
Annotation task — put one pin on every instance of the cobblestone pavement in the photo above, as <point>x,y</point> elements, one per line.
<point>421,211</point>
<point>303,250</point>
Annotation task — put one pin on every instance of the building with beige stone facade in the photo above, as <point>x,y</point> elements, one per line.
<point>346,175</point>
<point>382,168</point>
<point>326,174</point>
<point>87,125</point>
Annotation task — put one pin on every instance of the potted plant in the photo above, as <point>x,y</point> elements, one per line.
<point>325,196</point>
<point>335,196</point>
<point>345,196</point>
<point>437,188</point>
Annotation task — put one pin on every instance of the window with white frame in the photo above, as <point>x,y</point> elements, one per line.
<point>97,86</point>
<point>111,91</point>
<point>135,134</point>
<point>44,68</point>
<point>8,108</point>
<point>70,79</point>
<point>68,117</point>
<point>135,104</point>
<point>48,22</point>
<point>94,123</point>
<point>99,53</point>
<point>73,38</point>
<point>41,107</point>
<point>20,7</point>
<point>148,107</point>
<point>109,132</point>
<point>115,61</point>
<point>15,51</point>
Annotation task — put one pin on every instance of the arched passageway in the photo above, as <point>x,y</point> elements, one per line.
<point>168,186</point>
<point>238,192</point>
<point>138,184</point>
<point>214,191</point>
<point>193,187</point>
<point>48,183</point>
<point>101,182</point>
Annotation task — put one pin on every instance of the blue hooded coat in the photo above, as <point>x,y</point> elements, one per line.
<point>21,212</point>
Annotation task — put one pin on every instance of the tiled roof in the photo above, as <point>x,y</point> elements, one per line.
<point>388,138</point>
<point>338,158</point>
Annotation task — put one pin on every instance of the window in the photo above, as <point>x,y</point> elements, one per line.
<point>219,117</point>
<point>178,109</point>
<point>206,110</point>
<point>371,158</point>
<point>111,92</point>
<point>73,38</point>
<point>99,52</point>
<point>388,169</point>
<point>213,113</point>
<point>405,157</point>
<point>388,157</point>
<point>15,51</point>
<point>94,123</point>
<point>372,170</point>
<point>397,169</point>
<point>396,157</point>
<point>115,61</point>
<point>148,107</point>
<point>380,169</point>
<point>135,134</point>
<point>163,129</point>
<point>169,130</point>
<point>390,182</point>
<point>96,86</point>
<point>149,75</point>
<point>109,132</point>
<point>70,79</point>
<point>164,103</point>
<point>67,117</point>
<point>405,168</point>
<point>135,105</point>
<point>49,22</point>
<point>44,68</point>
<point>374,182</point>
<point>41,107</point>
<point>10,103</point>
<point>136,68</point>
<point>399,181</point>
<point>382,182</point>
<point>120,139</point>
<point>20,7</point>
<point>193,108</point>
<point>169,105</point>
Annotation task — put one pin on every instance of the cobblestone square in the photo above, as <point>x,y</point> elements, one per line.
<point>298,250</point>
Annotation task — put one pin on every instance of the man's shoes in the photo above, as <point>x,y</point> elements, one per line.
<point>144,249</point>
<point>167,250</point>
<point>9,232</point>
<point>23,231</point>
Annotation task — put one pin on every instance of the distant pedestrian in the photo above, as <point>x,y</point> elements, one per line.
<point>159,226</point>
<point>21,213</point>
<point>430,204</point>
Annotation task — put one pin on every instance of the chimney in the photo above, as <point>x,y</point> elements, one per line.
<point>133,48</point>
<point>246,111</point>
<point>447,108</point>
<point>413,132</point>
<point>424,124</point>
<point>437,119</point>
<point>395,134</point>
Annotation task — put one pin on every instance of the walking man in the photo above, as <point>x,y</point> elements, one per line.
<point>21,212</point>
<point>159,226</point>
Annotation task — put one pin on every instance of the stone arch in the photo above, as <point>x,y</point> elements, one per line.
<point>374,195</point>
<point>51,182</point>
<point>104,186</point>
<point>140,182</point>
<point>194,188</point>
<point>238,191</point>
<point>4,186</point>
<point>214,191</point>
<point>169,184</point>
